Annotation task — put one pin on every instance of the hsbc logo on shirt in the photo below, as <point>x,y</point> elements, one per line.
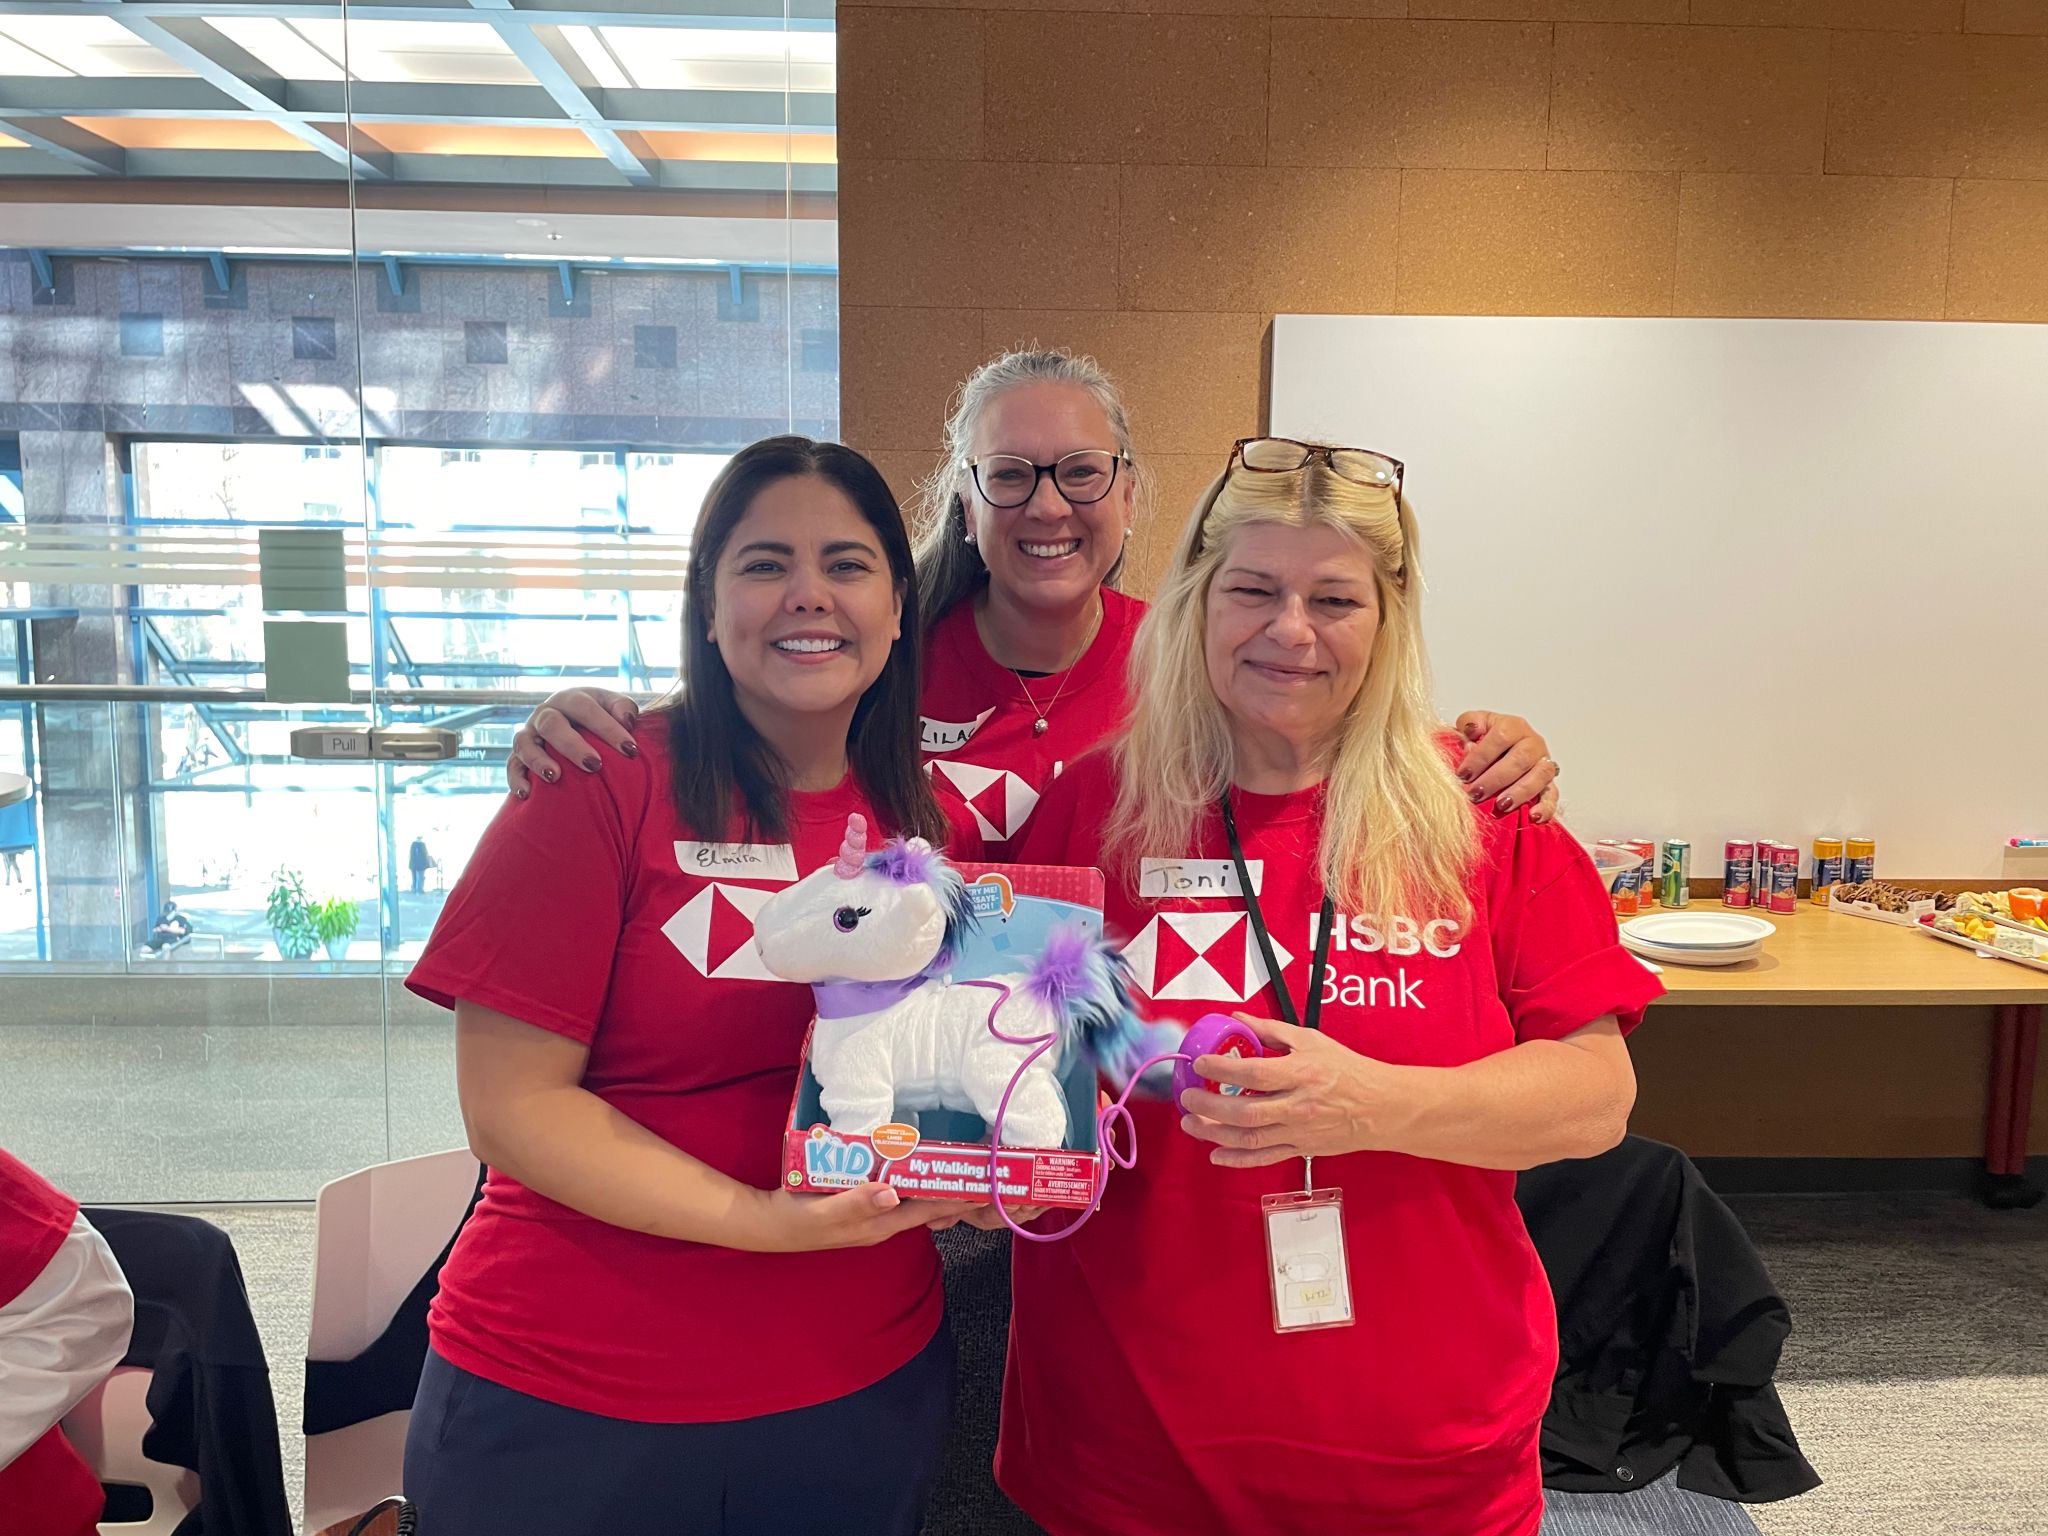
<point>1214,957</point>
<point>1001,801</point>
<point>714,931</point>
<point>1210,956</point>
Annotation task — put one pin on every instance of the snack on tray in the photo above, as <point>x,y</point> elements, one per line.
<point>1969,923</point>
<point>2022,904</point>
<point>1892,898</point>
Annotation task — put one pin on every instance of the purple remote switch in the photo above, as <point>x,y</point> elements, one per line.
<point>1213,1034</point>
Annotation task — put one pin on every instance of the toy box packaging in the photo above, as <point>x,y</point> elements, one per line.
<point>944,1154</point>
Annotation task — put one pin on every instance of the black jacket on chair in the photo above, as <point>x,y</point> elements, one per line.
<point>210,1405</point>
<point>1669,1331</point>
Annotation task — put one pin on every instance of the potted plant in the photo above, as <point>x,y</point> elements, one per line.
<point>334,920</point>
<point>290,914</point>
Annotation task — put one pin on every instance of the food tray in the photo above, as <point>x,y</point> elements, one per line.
<point>1870,909</point>
<point>1927,927</point>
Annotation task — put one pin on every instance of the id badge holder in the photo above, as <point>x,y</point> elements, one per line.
<point>1305,1260</point>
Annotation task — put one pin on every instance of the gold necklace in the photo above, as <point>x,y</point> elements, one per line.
<point>1040,726</point>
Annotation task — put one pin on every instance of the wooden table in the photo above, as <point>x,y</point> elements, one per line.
<point>1827,959</point>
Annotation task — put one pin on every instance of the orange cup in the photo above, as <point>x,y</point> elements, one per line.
<point>2027,902</point>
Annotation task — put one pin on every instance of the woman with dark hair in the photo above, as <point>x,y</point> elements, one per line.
<point>638,1327</point>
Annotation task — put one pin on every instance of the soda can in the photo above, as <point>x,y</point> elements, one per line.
<point>1646,872</point>
<point>1626,887</point>
<point>1784,878</point>
<point>1675,873</point>
<point>1859,861</point>
<point>1738,872</point>
<point>1827,868</point>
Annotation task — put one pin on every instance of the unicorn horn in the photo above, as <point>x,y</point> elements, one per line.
<point>853,851</point>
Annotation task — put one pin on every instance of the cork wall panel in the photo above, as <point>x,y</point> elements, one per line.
<point>1550,10</point>
<point>1211,238</point>
<point>2025,17</point>
<point>923,85</point>
<point>2005,108</point>
<point>1848,247</point>
<point>943,233</point>
<point>1355,10</point>
<point>1884,15</point>
<point>1537,243</point>
<point>1688,98</point>
<point>1896,103</point>
<point>1409,93</point>
<point>905,470</point>
<point>910,361</point>
<point>1178,480</point>
<point>1998,258</point>
<point>1166,90</point>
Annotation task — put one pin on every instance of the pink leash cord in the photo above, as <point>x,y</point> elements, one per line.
<point>1106,1119</point>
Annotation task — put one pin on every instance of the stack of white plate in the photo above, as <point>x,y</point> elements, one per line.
<point>1697,938</point>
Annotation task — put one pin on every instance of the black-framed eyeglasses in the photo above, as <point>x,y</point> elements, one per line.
<point>1084,476</point>
<point>1283,455</point>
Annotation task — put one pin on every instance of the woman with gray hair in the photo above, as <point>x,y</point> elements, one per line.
<point>1312,1306</point>
<point>1021,544</point>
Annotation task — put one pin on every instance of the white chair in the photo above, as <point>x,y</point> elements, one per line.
<point>375,1233</point>
<point>106,1428</point>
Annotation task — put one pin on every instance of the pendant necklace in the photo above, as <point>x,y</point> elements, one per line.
<point>1040,725</point>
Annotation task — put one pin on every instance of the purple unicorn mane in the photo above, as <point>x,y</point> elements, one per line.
<point>906,862</point>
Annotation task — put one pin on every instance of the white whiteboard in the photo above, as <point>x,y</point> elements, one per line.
<point>1831,538</point>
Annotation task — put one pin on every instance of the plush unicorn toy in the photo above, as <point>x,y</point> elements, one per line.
<point>874,935</point>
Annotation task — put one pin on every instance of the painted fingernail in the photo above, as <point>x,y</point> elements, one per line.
<point>550,774</point>
<point>521,794</point>
<point>1505,804</point>
<point>590,765</point>
<point>630,747</point>
<point>1476,793</point>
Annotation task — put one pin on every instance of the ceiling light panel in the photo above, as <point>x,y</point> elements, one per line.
<point>16,59</point>
<point>278,46</point>
<point>687,59</point>
<point>89,45</point>
<point>419,52</point>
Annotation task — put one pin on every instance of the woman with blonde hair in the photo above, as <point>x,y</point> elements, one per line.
<point>1021,544</point>
<point>1313,1307</point>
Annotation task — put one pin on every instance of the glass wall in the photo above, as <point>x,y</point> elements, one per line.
<point>456,314</point>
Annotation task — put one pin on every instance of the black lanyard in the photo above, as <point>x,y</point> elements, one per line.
<point>1317,967</point>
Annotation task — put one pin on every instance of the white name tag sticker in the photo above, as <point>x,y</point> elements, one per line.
<point>1197,879</point>
<point>738,861</point>
<point>1305,1247</point>
<point>949,735</point>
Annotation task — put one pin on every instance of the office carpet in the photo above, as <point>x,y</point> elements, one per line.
<point>1916,1377</point>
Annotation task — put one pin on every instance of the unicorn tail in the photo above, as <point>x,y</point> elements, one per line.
<point>1086,985</point>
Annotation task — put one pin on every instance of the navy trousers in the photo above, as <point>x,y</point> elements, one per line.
<point>484,1460</point>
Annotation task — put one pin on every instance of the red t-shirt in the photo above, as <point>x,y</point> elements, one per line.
<point>47,1490</point>
<point>1147,1390</point>
<point>592,911</point>
<point>979,715</point>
